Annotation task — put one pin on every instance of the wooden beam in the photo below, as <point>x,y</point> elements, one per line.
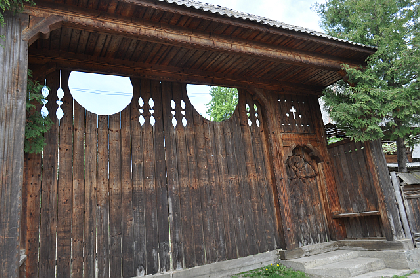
<point>87,63</point>
<point>13,83</point>
<point>41,28</point>
<point>250,25</point>
<point>100,22</point>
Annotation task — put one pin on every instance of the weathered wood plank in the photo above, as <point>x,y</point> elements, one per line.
<point>253,161</point>
<point>115,201</point>
<point>78,190</point>
<point>139,228</point>
<point>102,199</point>
<point>49,186</point>
<point>127,196</point>
<point>90,195</point>
<point>184,189</point>
<point>195,190</point>
<point>208,222</point>
<point>149,178</point>
<point>229,228</point>
<point>65,181</point>
<point>32,182</point>
<point>161,173</point>
<point>175,212</point>
<point>214,194</point>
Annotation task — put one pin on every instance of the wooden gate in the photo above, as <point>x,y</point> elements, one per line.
<point>152,188</point>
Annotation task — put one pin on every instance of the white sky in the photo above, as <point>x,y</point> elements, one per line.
<point>110,94</point>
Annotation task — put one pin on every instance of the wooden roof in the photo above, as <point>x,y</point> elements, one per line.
<point>186,41</point>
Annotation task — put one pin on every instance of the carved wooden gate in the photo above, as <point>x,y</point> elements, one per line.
<point>152,188</point>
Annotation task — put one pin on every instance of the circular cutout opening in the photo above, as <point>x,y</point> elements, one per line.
<point>214,103</point>
<point>101,94</point>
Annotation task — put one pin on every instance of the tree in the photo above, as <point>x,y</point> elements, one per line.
<point>223,103</point>
<point>384,97</point>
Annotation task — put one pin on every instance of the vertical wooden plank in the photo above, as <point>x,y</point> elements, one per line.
<point>115,195</point>
<point>175,212</point>
<point>267,161</point>
<point>149,177</point>
<point>78,190</point>
<point>13,81</point>
<point>90,195</point>
<point>49,186</point>
<point>213,193</point>
<point>102,199</point>
<point>139,228</point>
<point>385,193</point>
<point>32,182</point>
<point>208,222</point>
<point>160,169</point>
<point>230,236</point>
<point>65,181</point>
<point>184,189</point>
<point>197,213</point>
<point>127,195</point>
<point>252,162</point>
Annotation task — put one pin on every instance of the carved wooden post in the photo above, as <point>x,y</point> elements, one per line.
<point>13,81</point>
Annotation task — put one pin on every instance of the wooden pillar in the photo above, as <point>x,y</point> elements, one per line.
<point>13,81</point>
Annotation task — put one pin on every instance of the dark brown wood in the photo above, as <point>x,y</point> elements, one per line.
<point>90,195</point>
<point>175,214</point>
<point>42,28</point>
<point>139,228</point>
<point>102,199</point>
<point>65,181</point>
<point>208,220</point>
<point>78,190</point>
<point>213,192</point>
<point>127,195</point>
<point>175,73</point>
<point>161,173</point>
<point>229,227</point>
<point>184,189</point>
<point>384,191</point>
<point>115,201</point>
<point>33,184</point>
<point>48,227</point>
<point>192,39</point>
<point>193,182</point>
<point>151,221</point>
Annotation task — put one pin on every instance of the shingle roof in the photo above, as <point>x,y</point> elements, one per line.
<point>254,18</point>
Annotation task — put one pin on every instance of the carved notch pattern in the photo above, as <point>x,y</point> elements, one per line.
<point>178,113</point>
<point>295,114</point>
<point>147,107</point>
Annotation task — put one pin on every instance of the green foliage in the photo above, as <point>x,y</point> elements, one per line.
<point>36,125</point>
<point>223,103</point>
<point>273,271</point>
<point>389,148</point>
<point>385,93</point>
<point>333,140</point>
<point>14,6</point>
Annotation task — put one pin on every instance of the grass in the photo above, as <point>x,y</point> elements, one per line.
<point>272,271</point>
<point>407,275</point>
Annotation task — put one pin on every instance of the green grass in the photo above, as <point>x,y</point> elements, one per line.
<point>407,275</point>
<point>272,271</point>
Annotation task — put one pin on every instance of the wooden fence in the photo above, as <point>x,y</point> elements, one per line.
<point>366,195</point>
<point>152,188</point>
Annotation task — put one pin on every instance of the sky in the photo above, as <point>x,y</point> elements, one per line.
<point>106,95</point>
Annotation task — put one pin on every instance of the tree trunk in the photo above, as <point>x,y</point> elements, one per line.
<point>13,81</point>
<point>401,155</point>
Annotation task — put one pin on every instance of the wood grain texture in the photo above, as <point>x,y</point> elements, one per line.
<point>78,190</point>
<point>102,199</point>
<point>48,227</point>
<point>115,194</point>
<point>90,195</point>
<point>65,181</point>
<point>127,248</point>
